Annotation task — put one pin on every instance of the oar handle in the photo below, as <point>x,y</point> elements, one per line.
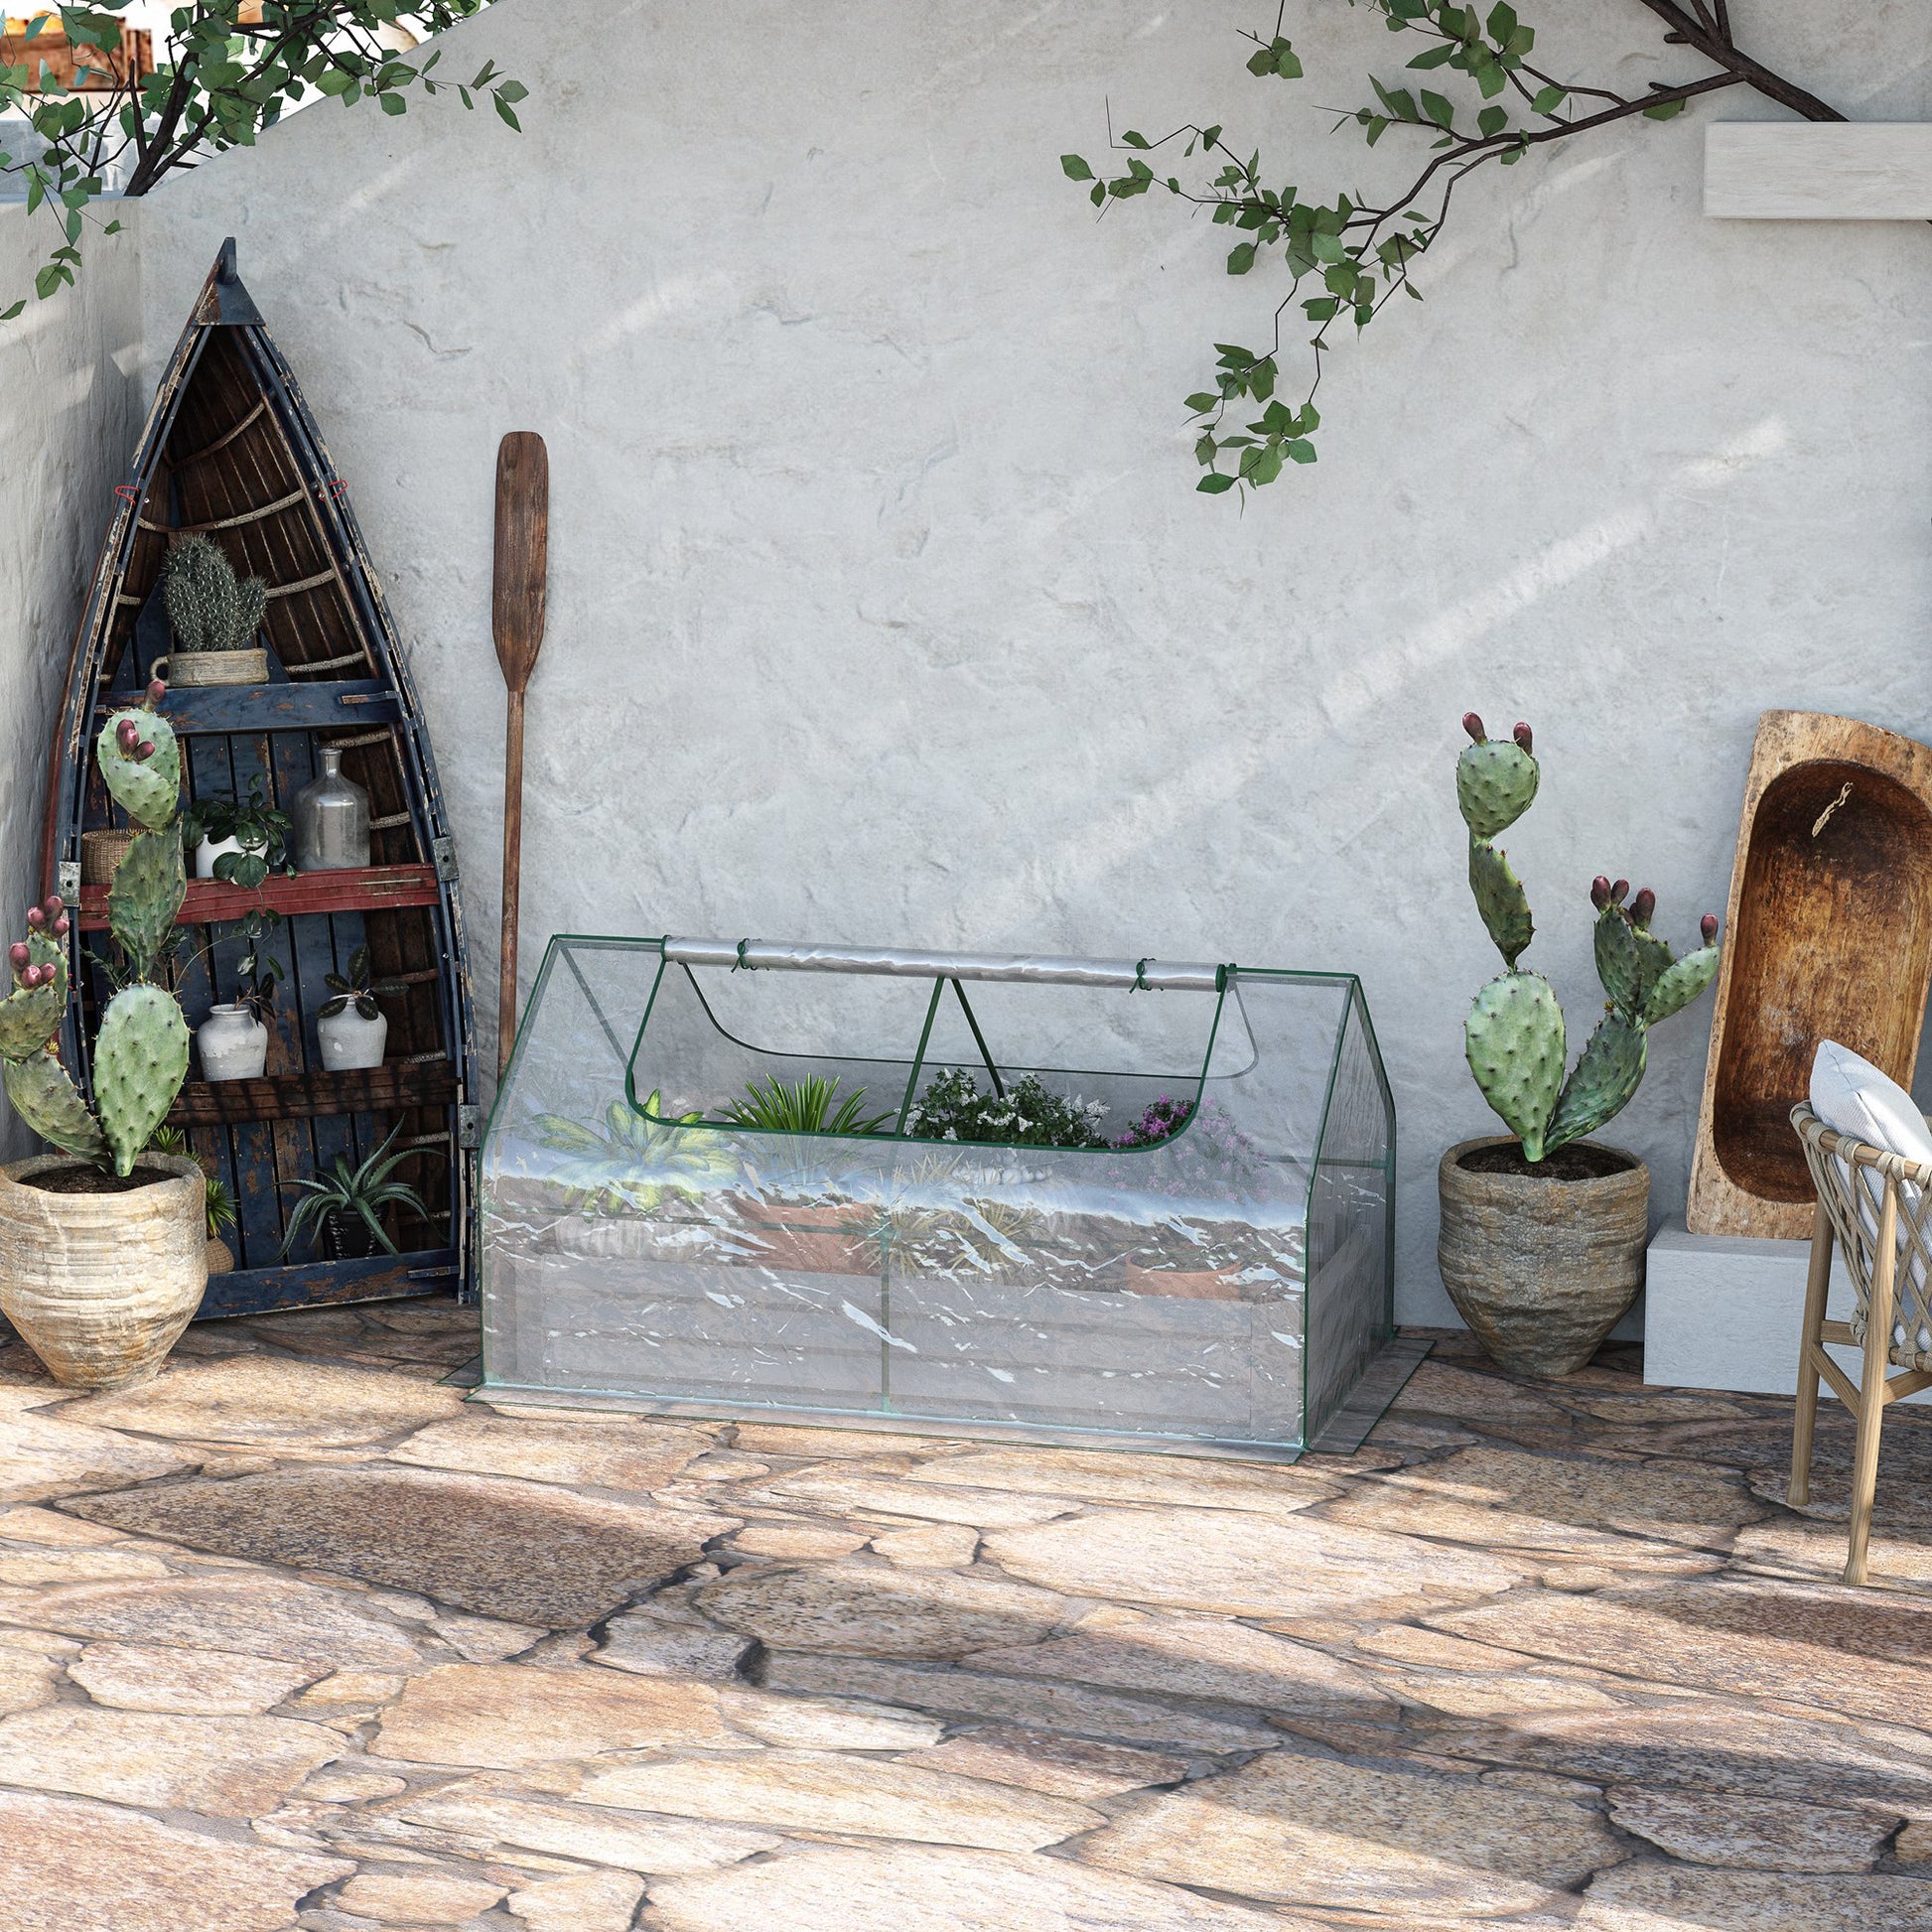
<point>512,877</point>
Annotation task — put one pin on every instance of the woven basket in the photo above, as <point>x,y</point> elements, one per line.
<point>100,853</point>
<point>204,667</point>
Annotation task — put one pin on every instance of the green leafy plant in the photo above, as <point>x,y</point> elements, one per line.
<point>361,1192</point>
<point>356,988</point>
<point>1514,1037</point>
<point>632,1164</point>
<point>208,607</point>
<point>953,1108</point>
<point>220,1201</point>
<point>224,80</point>
<point>262,832</point>
<point>1359,253</point>
<point>257,974</point>
<point>140,1055</point>
<point>803,1105</point>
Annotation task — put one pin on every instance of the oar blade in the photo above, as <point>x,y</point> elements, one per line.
<point>522,553</point>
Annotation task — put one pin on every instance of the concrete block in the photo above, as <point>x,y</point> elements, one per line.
<point>1722,1311</point>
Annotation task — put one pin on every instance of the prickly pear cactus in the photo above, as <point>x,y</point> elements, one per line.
<point>31,1014</point>
<point>1680,983</point>
<point>1495,779</point>
<point>1617,963</point>
<point>208,608</point>
<point>147,891</point>
<point>141,1056</point>
<point>140,1061</point>
<point>1607,1075</point>
<point>1514,1035</point>
<point>1502,900</point>
<point>1514,1040</point>
<point>141,765</point>
<point>44,1097</point>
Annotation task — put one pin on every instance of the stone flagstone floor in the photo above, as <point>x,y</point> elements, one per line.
<point>296,1637</point>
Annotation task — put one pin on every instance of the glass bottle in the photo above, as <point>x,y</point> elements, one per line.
<point>332,820</point>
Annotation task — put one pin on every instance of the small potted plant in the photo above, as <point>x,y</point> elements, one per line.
<point>1542,1234</point>
<point>233,1041</point>
<point>341,1208</point>
<point>103,1244</point>
<point>215,618</point>
<point>237,841</point>
<point>351,1029</point>
<point>221,1202</point>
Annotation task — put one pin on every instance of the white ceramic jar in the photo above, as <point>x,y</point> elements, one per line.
<point>233,1044</point>
<point>348,1040</point>
<point>210,849</point>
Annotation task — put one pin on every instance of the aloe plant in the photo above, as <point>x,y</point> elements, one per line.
<point>363,1191</point>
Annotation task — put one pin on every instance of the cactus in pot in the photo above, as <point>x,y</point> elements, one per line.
<point>208,607</point>
<point>1544,1257</point>
<point>100,1275</point>
<point>1514,1037</point>
<point>215,617</point>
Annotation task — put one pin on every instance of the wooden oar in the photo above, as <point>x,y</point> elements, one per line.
<point>516,617</point>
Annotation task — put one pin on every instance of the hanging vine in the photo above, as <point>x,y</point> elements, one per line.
<point>1358,253</point>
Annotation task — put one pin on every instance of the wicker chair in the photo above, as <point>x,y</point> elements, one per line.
<point>1877,1208</point>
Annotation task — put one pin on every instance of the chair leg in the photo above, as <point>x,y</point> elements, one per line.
<point>1872,1392</point>
<point>1805,1423</point>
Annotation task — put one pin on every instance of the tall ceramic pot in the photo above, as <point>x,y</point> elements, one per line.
<point>1541,1269</point>
<point>101,1285</point>
<point>233,1043</point>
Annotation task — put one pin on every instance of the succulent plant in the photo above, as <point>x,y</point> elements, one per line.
<point>141,1052</point>
<point>207,607</point>
<point>1514,1037</point>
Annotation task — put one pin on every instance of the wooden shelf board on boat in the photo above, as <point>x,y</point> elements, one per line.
<point>315,1096</point>
<point>261,1291</point>
<point>201,710</point>
<point>352,889</point>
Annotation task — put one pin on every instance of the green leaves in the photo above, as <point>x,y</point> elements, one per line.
<point>225,79</point>
<point>1278,58</point>
<point>1075,168</point>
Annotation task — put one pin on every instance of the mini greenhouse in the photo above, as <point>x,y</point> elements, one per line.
<point>729,1178</point>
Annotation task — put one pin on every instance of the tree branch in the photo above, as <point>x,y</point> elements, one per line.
<point>1716,44</point>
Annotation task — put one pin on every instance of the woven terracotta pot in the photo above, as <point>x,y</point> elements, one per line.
<point>1542,1270</point>
<point>101,1286</point>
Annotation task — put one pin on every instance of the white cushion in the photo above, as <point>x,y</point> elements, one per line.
<point>1852,1095</point>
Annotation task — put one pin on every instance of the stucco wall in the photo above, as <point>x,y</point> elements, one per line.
<point>70,378</point>
<point>882,603</point>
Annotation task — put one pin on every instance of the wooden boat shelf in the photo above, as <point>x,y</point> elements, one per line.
<point>264,1291</point>
<point>315,1096</point>
<point>285,707</point>
<point>352,889</point>
<point>230,449</point>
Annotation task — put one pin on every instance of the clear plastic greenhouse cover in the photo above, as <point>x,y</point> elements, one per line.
<point>1220,1287</point>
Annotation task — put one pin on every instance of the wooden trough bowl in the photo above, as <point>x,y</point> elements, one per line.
<point>1827,936</point>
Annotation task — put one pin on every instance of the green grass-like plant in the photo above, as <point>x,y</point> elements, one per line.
<point>803,1107</point>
